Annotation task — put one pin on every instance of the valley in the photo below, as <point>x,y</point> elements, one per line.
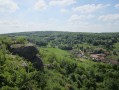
<point>50,60</point>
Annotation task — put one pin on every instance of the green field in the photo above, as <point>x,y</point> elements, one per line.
<point>57,51</point>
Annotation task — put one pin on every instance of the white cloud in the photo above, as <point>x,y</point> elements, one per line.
<point>84,23</point>
<point>8,26</point>
<point>109,17</point>
<point>8,6</point>
<point>79,18</point>
<point>116,6</point>
<point>61,2</point>
<point>63,10</point>
<point>89,8</point>
<point>82,27</point>
<point>41,4</point>
<point>7,22</point>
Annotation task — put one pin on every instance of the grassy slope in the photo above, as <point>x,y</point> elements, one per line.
<point>57,51</point>
<point>65,54</point>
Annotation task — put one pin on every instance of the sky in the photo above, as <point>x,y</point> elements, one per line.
<point>59,15</point>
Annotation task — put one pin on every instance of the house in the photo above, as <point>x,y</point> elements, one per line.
<point>97,57</point>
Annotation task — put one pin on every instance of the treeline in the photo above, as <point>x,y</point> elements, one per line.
<point>67,40</point>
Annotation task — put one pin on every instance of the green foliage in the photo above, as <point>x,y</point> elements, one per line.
<point>62,70</point>
<point>21,40</point>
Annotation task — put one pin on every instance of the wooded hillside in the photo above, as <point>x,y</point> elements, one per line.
<point>71,61</point>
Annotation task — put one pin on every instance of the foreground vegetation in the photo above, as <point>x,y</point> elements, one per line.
<point>63,69</point>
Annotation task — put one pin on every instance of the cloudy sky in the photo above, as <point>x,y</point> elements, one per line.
<point>59,15</point>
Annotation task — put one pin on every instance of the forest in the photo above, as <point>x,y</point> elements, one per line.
<point>70,61</point>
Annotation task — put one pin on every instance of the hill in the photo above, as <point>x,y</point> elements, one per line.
<point>67,61</point>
